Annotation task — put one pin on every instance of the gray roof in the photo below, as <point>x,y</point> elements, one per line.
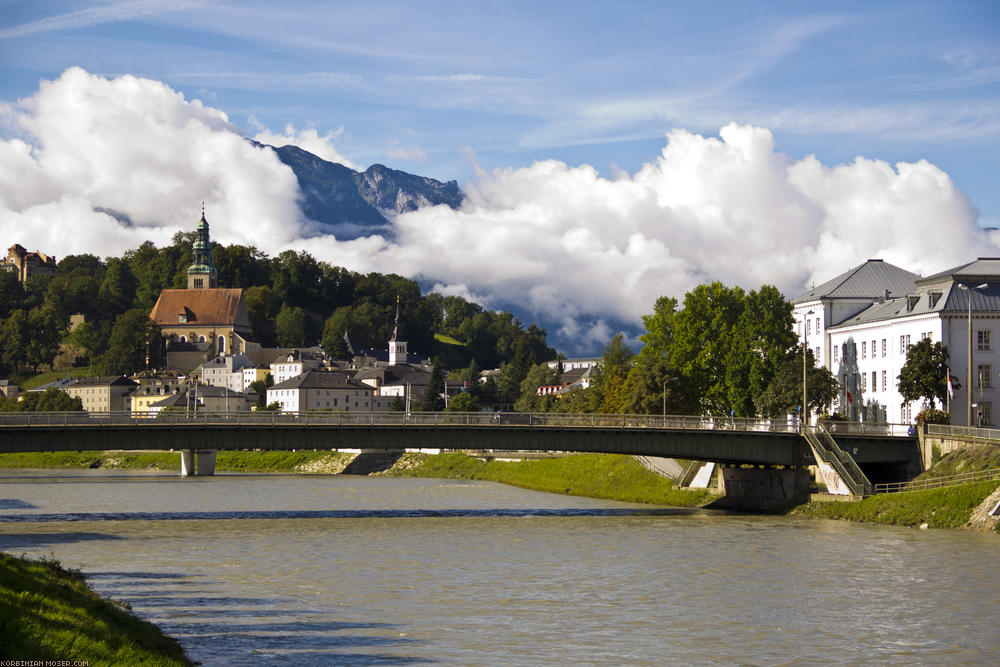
<point>321,380</point>
<point>947,298</point>
<point>978,271</point>
<point>867,281</point>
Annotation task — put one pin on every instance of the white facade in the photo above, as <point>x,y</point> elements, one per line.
<point>865,348</point>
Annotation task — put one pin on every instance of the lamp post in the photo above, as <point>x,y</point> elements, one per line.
<point>805,354</point>
<point>968,377</point>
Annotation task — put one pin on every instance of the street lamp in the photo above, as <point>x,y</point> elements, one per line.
<point>968,377</point>
<point>805,350</point>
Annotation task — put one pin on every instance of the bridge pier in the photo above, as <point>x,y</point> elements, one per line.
<point>762,488</point>
<point>197,462</point>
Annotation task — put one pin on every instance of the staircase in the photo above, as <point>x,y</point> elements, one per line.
<point>826,450</point>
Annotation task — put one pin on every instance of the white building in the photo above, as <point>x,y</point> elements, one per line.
<point>325,390</point>
<point>865,344</point>
<point>295,363</point>
<point>226,371</point>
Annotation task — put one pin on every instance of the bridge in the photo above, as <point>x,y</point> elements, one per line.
<point>734,441</point>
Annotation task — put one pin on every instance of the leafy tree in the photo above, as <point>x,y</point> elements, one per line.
<point>761,338</point>
<point>925,373</point>
<point>14,336</point>
<point>88,337</point>
<point>659,325</point>
<point>50,400</point>
<point>461,402</point>
<point>616,362</point>
<point>432,401</point>
<point>537,376</point>
<point>262,307</point>
<point>117,290</point>
<point>783,394</point>
<point>652,388</point>
<point>133,337</point>
<point>702,336</point>
<point>45,328</point>
<point>11,293</point>
<point>290,326</point>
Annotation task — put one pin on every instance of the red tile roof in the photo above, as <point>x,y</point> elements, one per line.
<point>202,307</point>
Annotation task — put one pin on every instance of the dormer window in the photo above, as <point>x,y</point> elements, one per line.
<point>911,302</point>
<point>182,318</point>
<point>933,298</point>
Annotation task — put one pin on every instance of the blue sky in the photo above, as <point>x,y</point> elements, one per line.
<point>611,152</point>
<point>420,85</point>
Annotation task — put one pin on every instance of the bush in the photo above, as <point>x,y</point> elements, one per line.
<point>932,416</point>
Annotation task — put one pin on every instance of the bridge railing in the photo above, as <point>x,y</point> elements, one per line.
<point>393,419</point>
<point>991,435</point>
<point>866,428</point>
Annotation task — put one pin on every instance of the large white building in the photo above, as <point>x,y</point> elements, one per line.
<point>325,390</point>
<point>860,324</point>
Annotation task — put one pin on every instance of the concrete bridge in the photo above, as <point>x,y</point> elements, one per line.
<point>774,444</point>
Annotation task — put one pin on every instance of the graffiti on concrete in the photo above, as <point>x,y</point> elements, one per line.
<point>759,484</point>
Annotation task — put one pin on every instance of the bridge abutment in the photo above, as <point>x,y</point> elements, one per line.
<point>762,488</point>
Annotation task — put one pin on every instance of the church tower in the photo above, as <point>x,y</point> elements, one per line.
<point>201,274</point>
<point>397,346</point>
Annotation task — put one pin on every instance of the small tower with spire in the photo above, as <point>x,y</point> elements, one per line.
<point>397,346</point>
<point>202,274</point>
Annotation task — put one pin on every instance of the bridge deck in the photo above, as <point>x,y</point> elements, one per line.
<point>724,440</point>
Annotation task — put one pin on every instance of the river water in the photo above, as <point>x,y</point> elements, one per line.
<point>330,570</point>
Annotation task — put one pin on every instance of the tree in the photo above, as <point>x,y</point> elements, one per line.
<point>783,394</point>
<point>50,400</point>
<point>925,373</point>
<point>260,388</point>
<point>652,388</point>
<point>537,376</point>
<point>46,329</point>
<point>11,293</point>
<point>659,325</point>
<point>461,402</point>
<point>432,401</point>
<point>117,290</point>
<point>761,338</point>
<point>14,336</point>
<point>700,349</point>
<point>609,381</point>
<point>290,326</point>
<point>133,337</point>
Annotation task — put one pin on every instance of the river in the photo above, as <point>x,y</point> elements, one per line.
<point>328,570</point>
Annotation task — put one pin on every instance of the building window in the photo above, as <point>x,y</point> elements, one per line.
<point>864,382</point>
<point>808,326</point>
<point>864,349</point>
<point>874,381</point>
<point>199,282</point>
<point>904,413</point>
<point>904,343</point>
<point>885,387</point>
<point>983,376</point>
<point>873,350</point>
<point>985,413</point>
<point>884,347</point>
<point>983,340</point>
<point>836,348</point>
<point>818,360</point>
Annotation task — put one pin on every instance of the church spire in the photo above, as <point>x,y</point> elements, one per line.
<point>201,274</point>
<point>397,346</point>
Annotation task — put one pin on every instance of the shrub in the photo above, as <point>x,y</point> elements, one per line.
<point>932,416</point>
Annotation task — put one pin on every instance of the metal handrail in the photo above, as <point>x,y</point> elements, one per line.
<point>826,447</point>
<point>939,482</point>
<point>989,434</point>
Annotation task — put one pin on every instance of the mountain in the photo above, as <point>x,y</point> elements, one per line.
<point>351,204</point>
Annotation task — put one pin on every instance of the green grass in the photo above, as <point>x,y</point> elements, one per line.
<point>171,461</point>
<point>49,613</point>
<point>939,508</point>
<point>51,376</point>
<point>447,340</point>
<point>608,476</point>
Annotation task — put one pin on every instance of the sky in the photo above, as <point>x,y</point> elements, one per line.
<point>611,152</point>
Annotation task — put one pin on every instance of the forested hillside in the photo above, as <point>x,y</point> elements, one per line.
<point>292,300</point>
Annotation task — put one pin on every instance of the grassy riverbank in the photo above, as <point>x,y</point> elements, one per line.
<point>949,507</point>
<point>255,462</point>
<point>48,613</point>
<point>608,476</point>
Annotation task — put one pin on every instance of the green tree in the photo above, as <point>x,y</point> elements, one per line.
<point>262,307</point>
<point>783,394</point>
<point>702,336</point>
<point>133,338</point>
<point>462,402</point>
<point>259,387</point>
<point>659,336</point>
<point>88,337</point>
<point>761,338</point>
<point>117,290</point>
<point>925,373</point>
<point>50,400</point>
<point>609,381</point>
<point>432,401</point>
<point>290,326</point>
<point>539,375</point>
<point>11,293</point>
<point>652,388</point>
<point>46,328</point>
<point>15,333</point>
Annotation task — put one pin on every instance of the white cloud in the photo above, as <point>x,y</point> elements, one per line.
<point>308,140</point>
<point>138,148</point>
<point>412,153</point>
<point>581,252</point>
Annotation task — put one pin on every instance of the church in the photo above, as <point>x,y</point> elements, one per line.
<point>204,320</point>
